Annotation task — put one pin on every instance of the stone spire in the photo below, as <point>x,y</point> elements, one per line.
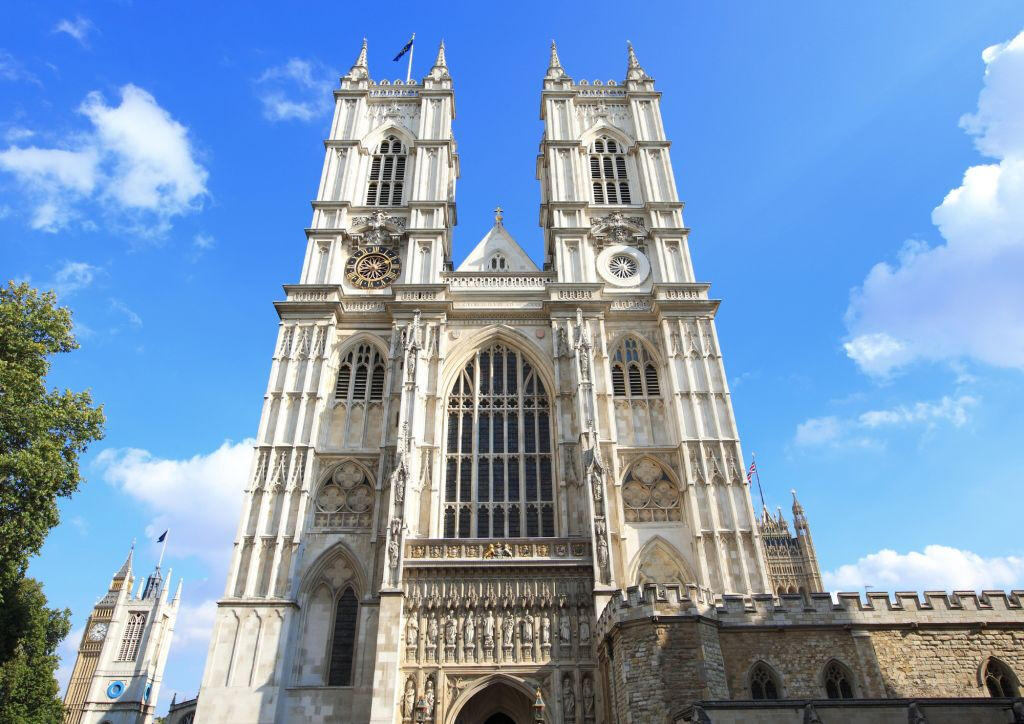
<point>440,69</point>
<point>126,568</point>
<point>441,62</point>
<point>633,69</point>
<point>555,69</point>
<point>360,70</point>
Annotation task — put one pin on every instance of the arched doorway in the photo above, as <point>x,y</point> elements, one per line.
<point>497,703</point>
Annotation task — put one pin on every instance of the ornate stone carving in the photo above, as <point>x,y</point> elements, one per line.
<point>617,228</point>
<point>345,500</point>
<point>383,230</point>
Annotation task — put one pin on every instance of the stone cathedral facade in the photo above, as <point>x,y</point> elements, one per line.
<point>509,491</point>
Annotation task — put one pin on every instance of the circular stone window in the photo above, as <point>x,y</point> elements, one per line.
<point>623,266</point>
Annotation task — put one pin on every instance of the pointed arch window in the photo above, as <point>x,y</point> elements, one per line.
<point>132,636</point>
<point>999,680</point>
<point>764,684</point>
<point>608,172</point>
<point>343,640</point>
<point>838,681</point>
<point>387,174</point>
<point>361,375</point>
<point>499,481</point>
<point>634,374</point>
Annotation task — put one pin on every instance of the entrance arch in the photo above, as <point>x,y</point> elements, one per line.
<point>500,700</point>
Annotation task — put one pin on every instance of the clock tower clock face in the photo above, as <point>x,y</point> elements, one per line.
<point>373,267</point>
<point>97,632</point>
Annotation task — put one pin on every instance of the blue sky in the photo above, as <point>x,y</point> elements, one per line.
<point>854,179</point>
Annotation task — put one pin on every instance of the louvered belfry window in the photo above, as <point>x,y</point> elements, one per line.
<point>387,174</point>
<point>634,374</point>
<point>132,636</point>
<point>608,172</point>
<point>498,471</point>
<point>361,375</point>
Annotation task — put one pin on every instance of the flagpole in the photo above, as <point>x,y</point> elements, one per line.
<point>412,47</point>
<point>163,549</point>
<point>757,474</point>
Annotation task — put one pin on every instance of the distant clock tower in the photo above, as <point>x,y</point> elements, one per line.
<point>124,648</point>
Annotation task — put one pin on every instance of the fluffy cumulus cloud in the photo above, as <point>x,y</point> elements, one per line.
<point>170,490</point>
<point>137,163</point>
<point>838,431</point>
<point>297,90</point>
<point>936,568</point>
<point>962,298</point>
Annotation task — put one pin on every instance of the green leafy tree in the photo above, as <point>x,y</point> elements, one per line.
<point>42,434</point>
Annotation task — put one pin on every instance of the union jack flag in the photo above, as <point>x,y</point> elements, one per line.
<point>751,471</point>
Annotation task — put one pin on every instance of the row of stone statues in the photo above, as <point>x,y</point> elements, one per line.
<point>494,633</point>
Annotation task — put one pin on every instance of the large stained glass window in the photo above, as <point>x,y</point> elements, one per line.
<point>498,478</point>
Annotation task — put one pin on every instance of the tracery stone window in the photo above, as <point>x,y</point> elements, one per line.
<point>343,640</point>
<point>999,680</point>
<point>498,470</point>
<point>838,681</point>
<point>345,499</point>
<point>132,636</point>
<point>649,494</point>
<point>763,682</point>
<point>634,374</point>
<point>361,375</point>
<point>387,174</point>
<point>608,172</point>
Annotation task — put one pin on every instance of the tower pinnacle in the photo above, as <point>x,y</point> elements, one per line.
<point>441,62</point>
<point>498,215</point>
<point>440,69</point>
<point>555,69</point>
<point>360,70</point>
<point>634,71</point>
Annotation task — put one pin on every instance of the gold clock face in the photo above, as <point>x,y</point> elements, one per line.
<point>372,267</point>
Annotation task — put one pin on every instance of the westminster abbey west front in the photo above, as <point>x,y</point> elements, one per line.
<point>508,491</point>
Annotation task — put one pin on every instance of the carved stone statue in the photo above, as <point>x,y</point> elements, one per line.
<point>588,697</point>
<point>430,696</point>
<point>564,630</point>
<point>489,629</point>
<point>568,700</point>
<point>409,699</point>
<point>450,630</point>
<point>469,631</point>
<point>507,625</point>
<point>432,632</point>
<point>412,630</point>
<point>545,631</point>
<point>584,629</point>
<point>527,633</point>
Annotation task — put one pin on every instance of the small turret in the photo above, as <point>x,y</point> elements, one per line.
<point>555,69</point>
<point>634,71</point>
<point>360,70</point>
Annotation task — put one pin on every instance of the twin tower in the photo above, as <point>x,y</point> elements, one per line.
<point>458,468</point>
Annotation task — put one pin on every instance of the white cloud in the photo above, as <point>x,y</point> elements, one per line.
<point>17,133</point>
<point>203,241</point>
<point>298,90</point>
<point>834,431</point>
<point>947,409</point>
<point>937,568</point>
<point>137,161</point>
<point>118,306</point>
<point>11,69</point>
<point>79,29</point>
<point>194,625</point>
<point>197,498</point>
<point>818,431</point>
<point>74,276</point>
<point>962,298</point>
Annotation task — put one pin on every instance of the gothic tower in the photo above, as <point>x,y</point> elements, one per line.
<point>456,468</point>
<point>124,648</point>
<point>792,562</point>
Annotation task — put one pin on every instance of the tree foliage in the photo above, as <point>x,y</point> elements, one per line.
<point>42,434</point>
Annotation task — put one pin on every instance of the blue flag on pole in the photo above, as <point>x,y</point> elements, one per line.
<point>405,49</point>
<point>162,537</point>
